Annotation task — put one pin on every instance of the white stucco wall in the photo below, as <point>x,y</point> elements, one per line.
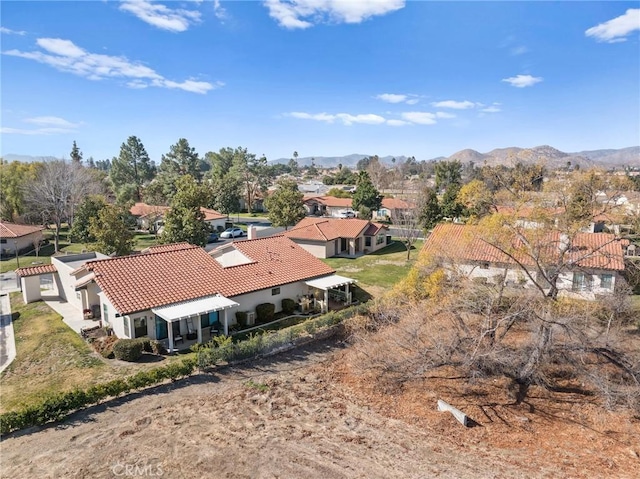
<point>30,289</point>
<point>249,301</point>
<point>319,250</point>
<point>9,245</point>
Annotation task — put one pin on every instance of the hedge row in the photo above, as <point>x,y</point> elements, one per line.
<point>268,341</point>
<point>59,405</point>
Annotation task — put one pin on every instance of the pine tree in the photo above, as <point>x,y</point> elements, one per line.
<point>366,198</point>
<point>185,220</point>
<point>131,170</point>
<point>76,154</point>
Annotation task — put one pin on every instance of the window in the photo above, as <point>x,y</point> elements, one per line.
<point>140,326</point>
<point>380,239</point>
<point>606,281</point>
<point>162,331</point>
<point>275,291</point>
<point>3,240</point>
<point>209,319</point>
<point>127,330</point>
<point>581,282</point>
<point>105,312</point>
<point>367,240</point>
<point>484,266</point>
<point>78,295</point>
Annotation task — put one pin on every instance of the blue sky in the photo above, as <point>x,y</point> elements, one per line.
<point>321,77</point>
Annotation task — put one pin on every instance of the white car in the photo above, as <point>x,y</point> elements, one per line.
<point>345,214</point>
<point>231,233</point>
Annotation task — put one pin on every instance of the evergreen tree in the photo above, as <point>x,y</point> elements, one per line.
<point>89,208</point>
<point>430,213</point>
<point>225,195</point>
<point>76,154</point>
<point>448,173</point>
<point>366,195</point>
<point>111,231</point>
<point>181,160</point>
<point>131,170</point>
<point>185,219</point>
<point>285,204</point>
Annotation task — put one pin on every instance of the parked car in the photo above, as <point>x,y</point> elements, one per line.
<point>213,237</point>
<point>345,214</point>
<point>232,233</point>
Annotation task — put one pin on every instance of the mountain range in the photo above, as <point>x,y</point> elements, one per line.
<point>509,156</point>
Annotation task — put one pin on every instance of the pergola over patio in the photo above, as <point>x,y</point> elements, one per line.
<point>175,312</point>
<point>332,282</point>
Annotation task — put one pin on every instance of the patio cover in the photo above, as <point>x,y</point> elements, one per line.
<point>328,282</point>
<point>177,311</point>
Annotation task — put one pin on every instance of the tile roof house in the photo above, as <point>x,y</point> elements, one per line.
<point>391,207</point>
<point>327,237</point>
<point>326,205</point>
<point>589,263</point>
<point>18,237</point>
<point>173,291</point>
<point>151,216</point>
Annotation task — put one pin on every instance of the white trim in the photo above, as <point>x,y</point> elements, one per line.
<point>185,309</point>
<point>328,282</point>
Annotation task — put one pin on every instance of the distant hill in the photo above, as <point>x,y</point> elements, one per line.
<point>333,161</point>
<point>26,158</point>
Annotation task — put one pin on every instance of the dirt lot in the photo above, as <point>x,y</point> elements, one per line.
<point>302,414</point>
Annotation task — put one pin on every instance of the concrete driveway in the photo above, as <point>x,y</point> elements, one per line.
<point>7,338</point>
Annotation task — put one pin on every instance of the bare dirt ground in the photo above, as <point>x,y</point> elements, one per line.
<point>304,415</point>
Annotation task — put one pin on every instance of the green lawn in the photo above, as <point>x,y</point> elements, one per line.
<point>50,357</point>
<point>142,241</point>
<point>379,270</point>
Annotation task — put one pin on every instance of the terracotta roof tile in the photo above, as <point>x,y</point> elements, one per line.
<point>327,229</point>
<point>13,230</point>
<point>161,248</point>
<point>210,215</point>
<point>36,270</point>
<point>394,204</point>
<point>330,201</point>
<point>586,250</point>
<point>143,209</point>
<point>174,273</point>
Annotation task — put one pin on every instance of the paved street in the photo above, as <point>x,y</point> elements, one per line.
<point>7,340</point>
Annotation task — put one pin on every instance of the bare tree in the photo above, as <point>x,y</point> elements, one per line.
<point>406,221</point>
<point>59,185</point>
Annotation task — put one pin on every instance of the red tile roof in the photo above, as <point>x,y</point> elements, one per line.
<point>394,204</point>
<point>327,229</point>
<point>587,250</point>
<point>36,270</point>
<point>143,209</point>
<point>169,275</point>
<point>330,201</point>
<point>13,230</point>
<point>210,215</point>
<point>163,248</point>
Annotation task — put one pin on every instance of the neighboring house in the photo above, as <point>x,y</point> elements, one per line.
<point>327,237</point>
<point>316,187</point>
<point>151,217</point>
<point>180,291</point>
<point>593,262</point>
<point>217,221</point>
<point>148,217</point>
<point>15,237</point>
<point>529,217</point>
<point>326,205</point>
<point>391,208</point>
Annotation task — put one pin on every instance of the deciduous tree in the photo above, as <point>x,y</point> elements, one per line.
<point>90,208</point>
<point>185,220</point>
<point>111,231</point>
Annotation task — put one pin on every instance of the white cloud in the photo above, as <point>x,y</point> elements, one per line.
<point>443,114</point>
<point>495,108</point>
<point>51,121</point>
<point>420,117</point>
<point>65,56</point>
<point>305,13</point>
<point>398,122</point>
<point>392,98</point>
<point>519,50</point>
<point>456,105</point>
<point>345,118</point>
<point>219,10</point>
<point>522,81</point>
<point>8,31</point>
<point>616,29</point>
<point>161,16</point>
<point>413,101</point>
<point>48,125</point>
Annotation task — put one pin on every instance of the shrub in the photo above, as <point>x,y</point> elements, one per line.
<point>288,306</point>
<point>158,348</point>
<point>145,343</point>
<point>265,312</point>
<point>128,350</point>
<point>241,318</point>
